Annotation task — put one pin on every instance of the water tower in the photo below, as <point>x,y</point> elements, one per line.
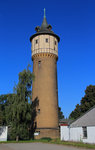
<point>44,57</point>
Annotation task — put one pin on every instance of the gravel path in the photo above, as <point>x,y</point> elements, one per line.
<point>36,146</point>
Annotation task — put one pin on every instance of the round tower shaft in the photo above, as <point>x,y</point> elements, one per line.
<point>44,56</point>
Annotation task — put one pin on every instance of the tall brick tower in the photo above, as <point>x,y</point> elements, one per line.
<point>44,56</point>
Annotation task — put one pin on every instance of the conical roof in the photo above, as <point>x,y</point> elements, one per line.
<point>44,29</point>
<point>44,23</point>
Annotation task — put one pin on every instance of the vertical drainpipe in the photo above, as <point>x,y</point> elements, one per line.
<point>69,131</point>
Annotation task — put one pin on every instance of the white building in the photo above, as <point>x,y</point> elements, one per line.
<point>3,133</point>
<point>80,130</point>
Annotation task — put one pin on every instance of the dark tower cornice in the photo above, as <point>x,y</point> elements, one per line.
<point>44,29</point>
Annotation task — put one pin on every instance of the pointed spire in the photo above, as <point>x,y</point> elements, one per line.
<point>44,23</point>
<point>44,13</point>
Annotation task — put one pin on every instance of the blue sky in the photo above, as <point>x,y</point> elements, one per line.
<point>73,21</point>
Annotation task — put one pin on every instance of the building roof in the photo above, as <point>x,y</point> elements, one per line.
<point>63,122</point>
<point>87,119</point>
<point>44,29</point>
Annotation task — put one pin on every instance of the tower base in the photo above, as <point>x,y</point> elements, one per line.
<point>52,133</point>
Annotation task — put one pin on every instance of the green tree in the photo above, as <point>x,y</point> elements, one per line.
<point>20,109</point>
<point>1,117</point>
<point>60,113</point>
<point>3,103</point>
<point>86,102</point>
<point>76,113</point>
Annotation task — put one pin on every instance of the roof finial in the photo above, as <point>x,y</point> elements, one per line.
<point>44,13</point>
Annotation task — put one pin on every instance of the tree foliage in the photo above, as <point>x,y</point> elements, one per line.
<point>86,102</point>
<point>17,111</point>
<point>20,110</point>
<point>3,104</point>
<point>1,117</point>
<point>60,113</point>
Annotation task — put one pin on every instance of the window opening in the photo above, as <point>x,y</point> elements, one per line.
<point>38,111</point>
<point>36,41</point>
<point>55,42</point>
<point>84,132</point>
<point>39,63</point>
<point>35,124</point>
<point>46,40</point>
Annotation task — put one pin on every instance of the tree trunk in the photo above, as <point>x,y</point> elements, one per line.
<point>17,138</point>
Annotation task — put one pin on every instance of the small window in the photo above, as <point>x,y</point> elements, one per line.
<point>84,132</point>
<point>46,40</point>
<point>38,111</point>
<point>35,124</point>
<point>36,41</point>
<point>39,63</point>
<point>55,43</point>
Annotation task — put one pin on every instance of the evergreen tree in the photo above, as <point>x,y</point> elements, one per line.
<point>76,113</point>
<point>3,103</point>
<point>60,113</point>
<point>1,117</point>
<point>86,102</point>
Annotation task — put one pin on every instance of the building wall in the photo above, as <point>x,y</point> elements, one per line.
<point>45,88</point>
<point>44,47</point>
<point>3,133</point>
<point>52,133</point>
<point>44,56</point>
<point>90,135</point>
<point>64,133</point>
<point>76,134</point>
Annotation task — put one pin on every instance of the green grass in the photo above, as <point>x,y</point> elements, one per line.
<point>56,141</point>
